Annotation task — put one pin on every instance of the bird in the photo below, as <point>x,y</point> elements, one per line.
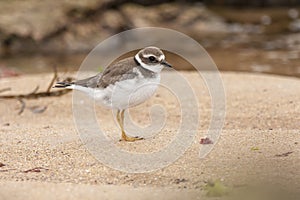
<point>124,84</point>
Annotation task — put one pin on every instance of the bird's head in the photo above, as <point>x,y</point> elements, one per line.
<point>152,58</point>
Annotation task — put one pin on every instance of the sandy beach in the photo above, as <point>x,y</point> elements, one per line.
<point>42,154</point>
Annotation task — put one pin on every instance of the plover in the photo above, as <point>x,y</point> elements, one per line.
<point>124,84</point>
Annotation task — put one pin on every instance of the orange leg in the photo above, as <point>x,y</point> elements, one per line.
<point>120,119</point>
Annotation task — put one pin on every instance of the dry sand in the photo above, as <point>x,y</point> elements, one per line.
<point>261,125</point>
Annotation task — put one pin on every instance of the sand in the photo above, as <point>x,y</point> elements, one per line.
<point>259,143</point>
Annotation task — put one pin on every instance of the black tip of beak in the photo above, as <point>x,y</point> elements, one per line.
<point>165,63</point>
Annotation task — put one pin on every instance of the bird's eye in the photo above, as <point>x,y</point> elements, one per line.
<point>152,58</point>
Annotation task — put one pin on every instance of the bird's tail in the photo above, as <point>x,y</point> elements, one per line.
<point>63,85</point>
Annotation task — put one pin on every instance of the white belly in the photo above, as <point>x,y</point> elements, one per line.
<point>125,94</point>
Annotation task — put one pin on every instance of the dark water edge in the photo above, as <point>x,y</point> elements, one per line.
<point>277,62</point>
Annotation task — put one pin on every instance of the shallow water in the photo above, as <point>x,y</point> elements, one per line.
<point>281,62</point>
<point>275,50</point>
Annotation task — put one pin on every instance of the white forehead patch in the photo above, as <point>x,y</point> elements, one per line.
<point>148,55</point>
<point>161,57</point>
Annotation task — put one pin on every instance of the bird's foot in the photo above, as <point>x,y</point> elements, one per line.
<point>130,139</point>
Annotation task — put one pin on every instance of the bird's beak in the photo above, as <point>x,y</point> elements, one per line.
<point>165,63</point>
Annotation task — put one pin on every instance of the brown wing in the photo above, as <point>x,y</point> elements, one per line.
<point>117,72</point>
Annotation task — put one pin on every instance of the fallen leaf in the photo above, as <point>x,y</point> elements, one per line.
<point>254,148</point>
<point>206,141</point>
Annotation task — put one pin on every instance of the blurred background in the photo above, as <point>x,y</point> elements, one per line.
<point>261,36</point>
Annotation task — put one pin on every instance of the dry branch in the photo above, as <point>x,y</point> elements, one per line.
<point>53,79</point>
<point>5,89</point>
<point>34,94</point>
<point>23,105</point>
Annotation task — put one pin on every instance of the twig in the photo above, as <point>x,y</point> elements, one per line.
<point>6,170</point>
<point>35,90</point>
<point>23,105</point>
<point>5,89</point>
<point>284,154</point>
<point>38,109</point>
<point>36,169</point>
<point>36,95</point>
<point>53,79</point>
